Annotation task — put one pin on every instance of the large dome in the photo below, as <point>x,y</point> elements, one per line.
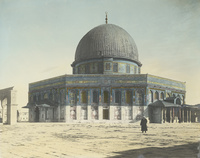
<point>108,41</point>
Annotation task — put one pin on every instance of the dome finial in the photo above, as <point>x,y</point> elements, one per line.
<point>106,17</point>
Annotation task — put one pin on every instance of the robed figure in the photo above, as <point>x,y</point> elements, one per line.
<point>143,124</point>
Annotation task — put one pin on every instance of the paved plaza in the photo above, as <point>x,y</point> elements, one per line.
<point>90,140</point>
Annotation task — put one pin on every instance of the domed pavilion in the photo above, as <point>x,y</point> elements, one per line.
<point>106,85</point>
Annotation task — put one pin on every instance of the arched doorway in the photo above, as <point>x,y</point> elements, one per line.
<point>8,106</point>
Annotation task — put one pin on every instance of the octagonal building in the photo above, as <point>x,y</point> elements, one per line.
<point>106,85</point>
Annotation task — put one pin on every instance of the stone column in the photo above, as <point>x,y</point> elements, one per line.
<point>165,114</point>
<point>4,113</point>
<point>187,115</point>
<point>182,112</point>
<point>58,113</point>
<point>13,108</point>
<point>170,115</point>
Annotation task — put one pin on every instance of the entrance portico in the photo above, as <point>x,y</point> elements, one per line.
<point>8,105</point>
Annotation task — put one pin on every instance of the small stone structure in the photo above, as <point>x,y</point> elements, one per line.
<point>8,106</point>
<point>22,115</point>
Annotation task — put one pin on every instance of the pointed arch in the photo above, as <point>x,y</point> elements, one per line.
<point>162,97</point>
<point>156,96</point>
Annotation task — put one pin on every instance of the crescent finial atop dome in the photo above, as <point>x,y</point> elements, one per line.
<point>106,17</point>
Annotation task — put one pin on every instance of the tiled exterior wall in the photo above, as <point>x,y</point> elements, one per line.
<point>109,66</point>
<point>74,93</point>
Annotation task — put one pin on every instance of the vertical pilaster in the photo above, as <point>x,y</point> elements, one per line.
<point>123,112</point>
<point>165,114</point>
<point>190,115</point>
<point>123,97</point>
<point>112,117</point>
<point>100,112</point>
<point>67,113</point>
<point>162,114</point>
<point>182,112</point>
<point>89,112</point>
<point>170,115</point>
<point>78,112</point>
<point>58,112</point>
<point>13,108</point>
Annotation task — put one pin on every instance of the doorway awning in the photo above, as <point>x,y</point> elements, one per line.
<point>29,105</point>
<point>160,103</point>
<point>43,105</point>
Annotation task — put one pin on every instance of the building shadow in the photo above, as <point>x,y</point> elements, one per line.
<point>180,151</point>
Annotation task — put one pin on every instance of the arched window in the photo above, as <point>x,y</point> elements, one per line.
<point>83,97</point>
<point>156,96</point>
<point>168,95</point>
<point>72,97</point>
<point>128,96</point>
<point>117,96</point>
<point>39,97</point>
<point>45,96</point>
<point>79,70</point>
<point>34,98</point>
<point>151,93</point>
<point>31,98</point>
<point>108,66</point>
<point>106,98</point>
<point>53,97</point>
<point>127,68</point>
<point>135,70</point>
<point>57,97</point>
<point>134,95</point>
<point>115,67</point>
<point>139,98</point>
<point>50,96</point>
<point>162,96</point>
<point>62,97</point>
<point>178,101</point>
<point>95,97</point>
<point>87,69</point>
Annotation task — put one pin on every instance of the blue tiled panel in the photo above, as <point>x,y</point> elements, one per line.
<point>135,80</point>
<point>168,83</point>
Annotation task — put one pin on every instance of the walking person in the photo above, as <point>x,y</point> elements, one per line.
<point>143,124</point>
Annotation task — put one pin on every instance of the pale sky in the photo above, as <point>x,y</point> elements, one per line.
<point>38,38</point>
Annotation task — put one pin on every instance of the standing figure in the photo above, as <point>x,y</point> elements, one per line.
<point>143,124</point>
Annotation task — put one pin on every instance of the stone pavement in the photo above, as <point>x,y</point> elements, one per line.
<point>90,140</point>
